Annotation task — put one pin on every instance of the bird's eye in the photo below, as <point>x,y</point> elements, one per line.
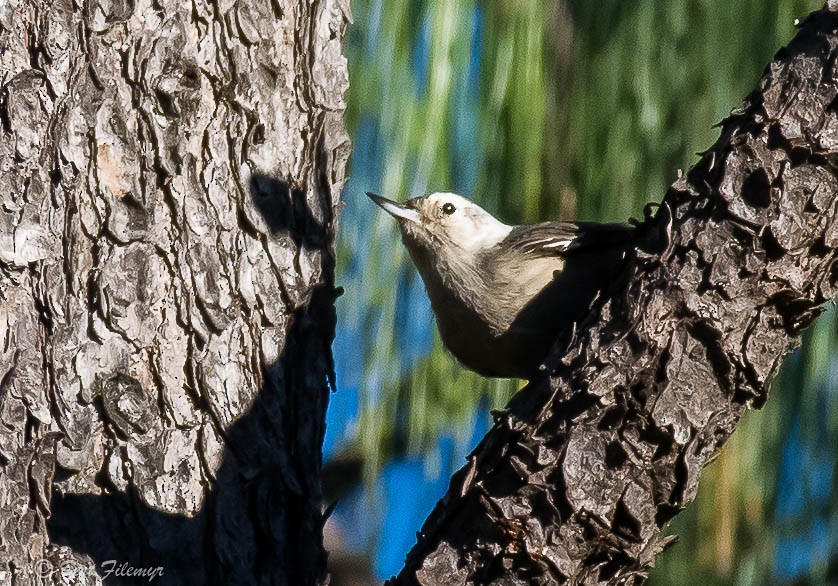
<point>448,209</point>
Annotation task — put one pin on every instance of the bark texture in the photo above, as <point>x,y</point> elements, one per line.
<point>169,182</point>
<point>578,477</point>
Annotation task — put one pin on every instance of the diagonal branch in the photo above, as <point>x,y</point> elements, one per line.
<point>578,477</point>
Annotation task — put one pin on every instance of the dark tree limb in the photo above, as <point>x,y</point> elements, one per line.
<point>579,476</point>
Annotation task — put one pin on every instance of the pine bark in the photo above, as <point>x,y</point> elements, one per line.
<point>579,476</point>
<point>169,183</point>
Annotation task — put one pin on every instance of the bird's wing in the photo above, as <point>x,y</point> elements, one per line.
<point>555,238</point>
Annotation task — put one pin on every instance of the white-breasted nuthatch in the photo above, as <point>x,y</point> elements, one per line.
<point>502,295</point>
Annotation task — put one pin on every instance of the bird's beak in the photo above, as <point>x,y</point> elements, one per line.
<point>397,210</point>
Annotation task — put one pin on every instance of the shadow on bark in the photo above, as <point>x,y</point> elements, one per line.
<point>283,207</point>
<point>262,491</point>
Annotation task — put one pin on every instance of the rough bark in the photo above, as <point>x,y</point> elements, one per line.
<point>577,479</point>
<point>169,182</point>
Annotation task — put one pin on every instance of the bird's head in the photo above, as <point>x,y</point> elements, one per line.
<point>444,222</point>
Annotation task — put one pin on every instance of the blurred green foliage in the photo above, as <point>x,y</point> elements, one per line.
<point>566,110</point>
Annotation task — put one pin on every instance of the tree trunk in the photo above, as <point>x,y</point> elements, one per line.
<point>169,177</point>
<point>579,476</point>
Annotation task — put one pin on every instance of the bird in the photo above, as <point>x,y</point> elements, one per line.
<point>503,294</point>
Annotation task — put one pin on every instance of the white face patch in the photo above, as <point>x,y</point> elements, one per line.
<point>464,223</point>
